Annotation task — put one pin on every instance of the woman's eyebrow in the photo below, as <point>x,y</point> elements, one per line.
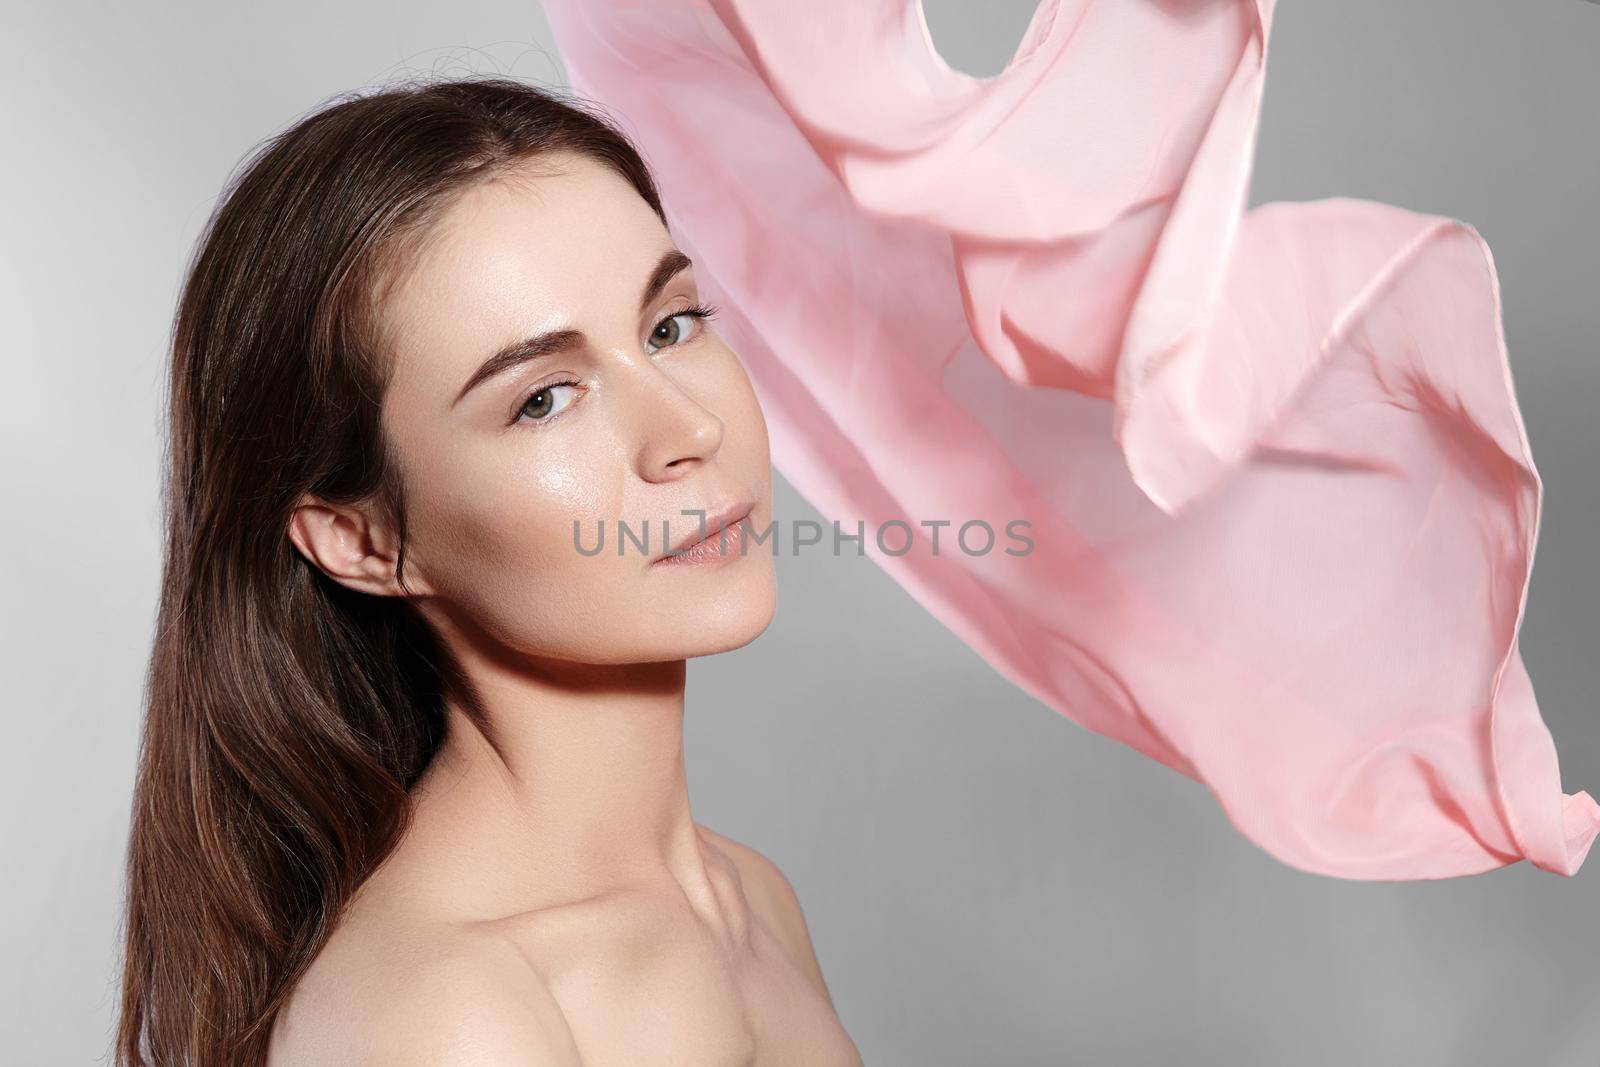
<point>516,353</point>
<point>672,261</point>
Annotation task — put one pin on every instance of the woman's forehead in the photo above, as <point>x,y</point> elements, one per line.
<point>544,231</point>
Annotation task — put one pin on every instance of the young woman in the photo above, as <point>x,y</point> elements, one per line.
<point>412,785</point>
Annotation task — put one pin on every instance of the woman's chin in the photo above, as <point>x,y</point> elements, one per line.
<point>722,620</point>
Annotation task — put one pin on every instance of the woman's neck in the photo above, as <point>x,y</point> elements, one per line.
<point>583,790</point>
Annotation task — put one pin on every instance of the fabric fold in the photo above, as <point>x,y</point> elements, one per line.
<point>1279,494</point>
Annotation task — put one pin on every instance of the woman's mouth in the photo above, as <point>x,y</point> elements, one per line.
<point>724,538</point>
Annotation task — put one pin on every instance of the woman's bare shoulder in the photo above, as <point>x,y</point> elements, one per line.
<point>772,895</point>
<point>397,993</point>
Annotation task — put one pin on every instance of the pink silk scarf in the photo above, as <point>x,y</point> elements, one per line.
<point>1282,505</point>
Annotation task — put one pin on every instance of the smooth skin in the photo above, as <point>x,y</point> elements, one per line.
<point>554,902</point>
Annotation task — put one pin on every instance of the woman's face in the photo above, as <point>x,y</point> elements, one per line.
<point>632,413</point>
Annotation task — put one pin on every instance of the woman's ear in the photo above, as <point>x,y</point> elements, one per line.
<point>348,544</point>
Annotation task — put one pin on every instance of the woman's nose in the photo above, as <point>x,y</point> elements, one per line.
<point>675,431</point>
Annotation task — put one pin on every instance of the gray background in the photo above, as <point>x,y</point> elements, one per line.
<point>986,882</point>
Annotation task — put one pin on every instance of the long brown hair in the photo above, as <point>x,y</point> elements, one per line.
<point>287,716</point>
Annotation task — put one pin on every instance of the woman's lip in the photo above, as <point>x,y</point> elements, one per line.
<point>715,523</point>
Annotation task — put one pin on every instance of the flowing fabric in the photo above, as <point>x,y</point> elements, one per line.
<point>1281,501</point>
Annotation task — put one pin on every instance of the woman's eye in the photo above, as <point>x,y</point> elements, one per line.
<point>541,404</point>
<point>668,332</point>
